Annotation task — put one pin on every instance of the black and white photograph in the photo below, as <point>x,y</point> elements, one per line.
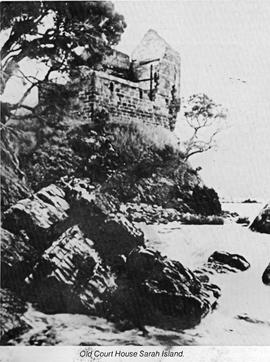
<point>135,175</point>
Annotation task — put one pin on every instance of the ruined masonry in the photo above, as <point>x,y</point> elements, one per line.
<point>146,88</point>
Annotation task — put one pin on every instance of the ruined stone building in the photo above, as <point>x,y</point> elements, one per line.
<point>145,87</point>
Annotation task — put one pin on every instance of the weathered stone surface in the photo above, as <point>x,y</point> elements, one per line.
<point>13,181</point>
<point>149,214</point>
<point>38,218</point>
<point>262,221</point>
<point>97,215</point>
<point>157,291</point>
<point>70,276</point>
<point>116,236</point>
<point>205,201</point>
<point>266,275</point>
<point>11,311</point>
<point>223,261</point>
<point>53,195</point>
<point>17,259</point>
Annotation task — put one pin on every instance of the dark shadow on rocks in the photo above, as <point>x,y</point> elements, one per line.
<point>154,290</point>
<point>12,309</point>
<point>222,262</point>
<point>266,275</point>
<point>262,222</point>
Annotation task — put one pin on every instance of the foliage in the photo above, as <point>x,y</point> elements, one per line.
<point>131,161</point>
<point>60,34</point>
<point>50,161</point>
<point>203,116</point>
<point>193,219</point>
<point>141,144</point>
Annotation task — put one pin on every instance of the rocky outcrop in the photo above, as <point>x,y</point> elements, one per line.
<point>38,218</point>
<point>205,201</point>
<point>70,276</point>
<point>127,161</point>
<point>17,259</point>
<point>266,275</point>
<point>11,311</point>
<point>155,290</point>
<point>89,258</point>
<point>98,216</point>
<point>73,272</point>
<point>13,181</point>
<point>262,222</point>
<point>149,214</point>
<point>222,261</point>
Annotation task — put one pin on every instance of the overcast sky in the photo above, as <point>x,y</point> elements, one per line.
<point>225,52</point>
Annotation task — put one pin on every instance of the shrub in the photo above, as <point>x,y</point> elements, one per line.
<point>136,139</point>
<point>202,219</point>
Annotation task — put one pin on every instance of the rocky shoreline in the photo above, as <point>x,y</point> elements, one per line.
<point>74,249</point>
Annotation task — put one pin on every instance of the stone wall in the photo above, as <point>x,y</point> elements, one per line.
<point>125,101</point>
<point>146,89</point>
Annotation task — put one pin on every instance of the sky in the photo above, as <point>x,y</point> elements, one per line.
<point>225,53</point>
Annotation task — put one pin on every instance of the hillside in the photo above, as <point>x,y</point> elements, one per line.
<point>133,162</point>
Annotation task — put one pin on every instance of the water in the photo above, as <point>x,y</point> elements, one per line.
<point>242,316</point>
<point>249,210</point>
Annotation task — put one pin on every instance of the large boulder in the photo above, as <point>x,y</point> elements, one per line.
<point>266,275</point>
<point>98,217</point>
<point>153,290</point>
<point>70,276</point>
<point>11,316</point>
<point>114,236</point>
<point>262,222</point>
<point>223,261</point>
<point>205,201</point>
<point>17,259</point>
<point>39,216</point>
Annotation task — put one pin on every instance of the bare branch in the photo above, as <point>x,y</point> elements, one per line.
<point>201,113</point>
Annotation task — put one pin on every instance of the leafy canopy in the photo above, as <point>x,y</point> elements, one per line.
<point>57,32</point>
<point>206,120</point>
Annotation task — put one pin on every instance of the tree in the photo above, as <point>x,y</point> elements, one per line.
<point>60,34</point>
<point>205,118</point>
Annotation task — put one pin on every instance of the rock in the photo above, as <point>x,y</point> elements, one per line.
<point>157,291</point>
<point>39,218</point>
<point>223,261</point>
<point>205,201</point>
<point>11,321</point>
<point>97,215</point>
<point>70,277</point>
<point>55,196</point>
<point>262,222</point>
<point>116,236</point>
<point>17,259</point>
<point>13,181</point>
<point>243,220</point>
<point>266,275</point>
<point>149,214</point>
